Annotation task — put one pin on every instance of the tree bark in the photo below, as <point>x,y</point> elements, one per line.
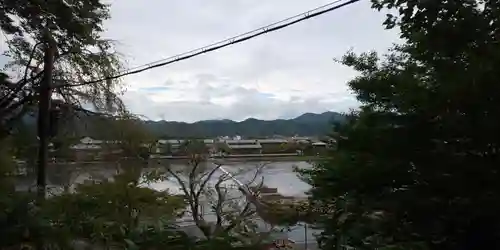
<point>43,116</point>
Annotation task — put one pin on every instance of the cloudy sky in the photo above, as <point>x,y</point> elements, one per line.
<point>279,75</point>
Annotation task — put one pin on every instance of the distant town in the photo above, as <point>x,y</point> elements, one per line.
<point>89,149</point>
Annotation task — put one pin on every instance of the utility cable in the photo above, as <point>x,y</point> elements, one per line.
<point>225,43</point>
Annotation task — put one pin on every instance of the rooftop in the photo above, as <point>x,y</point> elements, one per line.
<point>245,146</point>
<point>170,141</point>
<point>241,141</point>
<point>319,143</point>
<point>273,141</point>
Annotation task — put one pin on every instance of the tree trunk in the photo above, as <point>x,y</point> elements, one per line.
<point>43,115</point>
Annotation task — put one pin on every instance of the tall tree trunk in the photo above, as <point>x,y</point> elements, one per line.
<point>43,115</point>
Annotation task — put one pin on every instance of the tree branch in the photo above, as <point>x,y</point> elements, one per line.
<point>245,213</point>
<point>8,98</point>
<point>219,206</point>
<point>193,203</point>
<point>207,178</point>
<point>192,183</point>
<point>14,106</point>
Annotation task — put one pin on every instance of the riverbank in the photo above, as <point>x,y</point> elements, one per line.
<point>246,157</point>
<point>230,159</point>
<point>271,158</point>
<point>220,160</point>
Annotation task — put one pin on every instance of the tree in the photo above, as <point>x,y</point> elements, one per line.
<point>7,165</point>
<point>194,148</point>
<point>75,27</point>
<point>210,194</point>
<point>7,118</point>
<point>116,212</point>
<point>417,166</point>
<point>222,147</point>
<point>100,215</point>
<point>61,147</point>
<point>125,134</point>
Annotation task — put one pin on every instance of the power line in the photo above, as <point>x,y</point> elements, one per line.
<point>226,42</point>
<point>241,35</point>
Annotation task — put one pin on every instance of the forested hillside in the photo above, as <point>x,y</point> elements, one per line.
<point>308,124</point>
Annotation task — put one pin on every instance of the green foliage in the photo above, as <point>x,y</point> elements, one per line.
<point>109,211</point>
<point>194,148</point>
<point>61,147</point>
<point>6,159</point>
<point>225,243</point>
<point>417,166</point>
<point>10,111</point>
<point>18,220</point>
<point>24,141</point>
<point>134,140</point>
<point>77,22</point>
<point>284,215</point>
<point>223,147</point>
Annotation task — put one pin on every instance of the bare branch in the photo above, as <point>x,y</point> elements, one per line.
<point>181,183</point>
<point>193,203</point>
<point>207,178</point>
<point>244,214</point>
<point>15,91</point>
<point>192,188</point>
<point>220,201</point>
<point>258,172</point>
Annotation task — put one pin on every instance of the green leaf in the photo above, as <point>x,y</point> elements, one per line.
<point>131,245</point>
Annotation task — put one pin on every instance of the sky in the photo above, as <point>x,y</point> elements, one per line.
<point>279,75</point>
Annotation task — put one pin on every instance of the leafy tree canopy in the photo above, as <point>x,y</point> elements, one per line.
<point>416,167</point>
<point>82,54</point>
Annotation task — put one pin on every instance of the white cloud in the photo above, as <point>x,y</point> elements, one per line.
<point>236,103</point>
<point>278,75</point>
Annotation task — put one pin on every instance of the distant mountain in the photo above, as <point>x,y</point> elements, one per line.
<point>317,118</point>
<point>308,124</point>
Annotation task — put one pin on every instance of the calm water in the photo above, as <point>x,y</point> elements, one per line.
<point>278,175</point>
<point>275,175</point>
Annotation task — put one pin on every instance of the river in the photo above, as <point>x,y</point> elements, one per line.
<point>278,175</point>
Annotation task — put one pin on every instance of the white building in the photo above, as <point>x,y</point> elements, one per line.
<point>87,143</point>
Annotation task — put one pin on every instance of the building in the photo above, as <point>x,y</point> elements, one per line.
<point>209,142</point>
<point>275,145</point>
<point>319,144</point>
<point>301,139</point>
<point>319,147</point>
<point>86,149</point>
<point>173,143</point>
<point>168,147</point>
<point>88,143</point>
<point>178,147</point>
<point>211,145</point>
<point>243,146</point>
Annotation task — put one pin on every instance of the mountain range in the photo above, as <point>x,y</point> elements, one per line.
<point>308,124</point>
